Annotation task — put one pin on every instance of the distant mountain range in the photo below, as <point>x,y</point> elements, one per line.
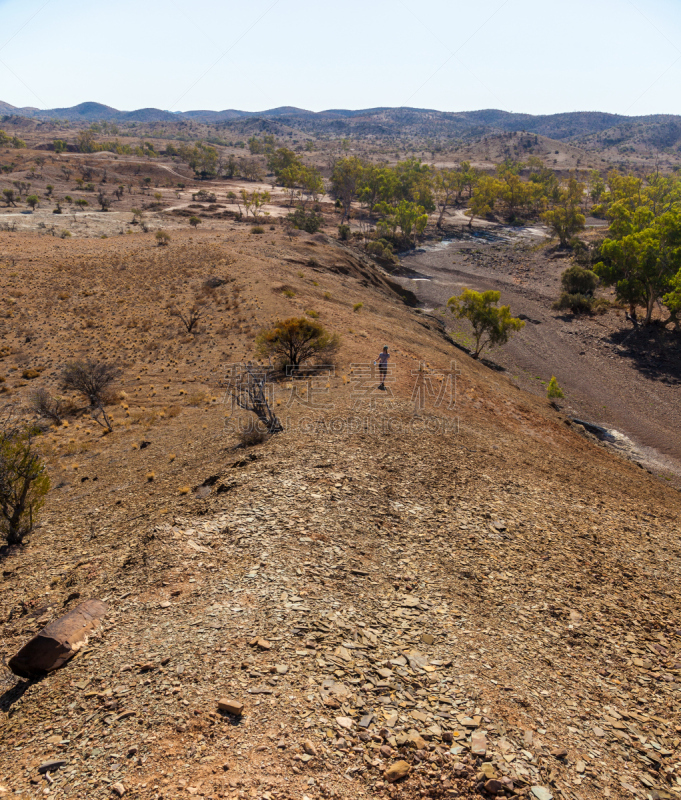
<point>584,127</point>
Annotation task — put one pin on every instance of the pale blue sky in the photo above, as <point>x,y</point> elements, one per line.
<point>534,56</point>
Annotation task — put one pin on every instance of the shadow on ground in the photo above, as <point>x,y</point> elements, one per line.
<point>654,351</point>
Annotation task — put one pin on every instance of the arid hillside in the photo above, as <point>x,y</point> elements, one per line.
<point>439,590</point>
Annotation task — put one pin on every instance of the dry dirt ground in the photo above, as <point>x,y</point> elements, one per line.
<point>478,590</point>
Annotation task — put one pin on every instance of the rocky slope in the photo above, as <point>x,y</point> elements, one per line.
<point>409,600</point>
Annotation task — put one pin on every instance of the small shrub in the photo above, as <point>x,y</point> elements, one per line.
<point>150,476</point>
<point>289,293</point>
<point>577,303</point>
<point>257,229</point>
<point>577,280</point>
<point>313,314</point>
<point>30,374</point>
<point>358,307</point>
<point>185,489</point>
<point>327,295</point>
<point>304,221</point>
<point>194,221</point>
<point>65,235</point>
<point>163,238</point>
<point>381,249</point>
<point>252,436</point>
<point>344,232</point>
<point>601,305</point>
<point>553,390</point>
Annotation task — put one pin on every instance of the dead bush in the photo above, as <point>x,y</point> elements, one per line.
<point>92,380</point>
<point>253,435</point>
<point>52,408</point>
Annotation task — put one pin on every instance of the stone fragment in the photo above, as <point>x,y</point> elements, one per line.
<point>282,669</point>
<point>541,793</point>
<point>118,789</point>
<point>580,766</point>
<point>397,771</point>
<point>263,644</point>
<point>385,750</point>
<point>478,743</point>
<point>559,752</point>
<point>309,747</point>
<point>51,766</point>
<point>345,722</point>
<point>416,740</point>
<point>427,638</point>
<point>231,706</point>
<point>493,786</point>
<point>416,660</point>
<point>58,641</point>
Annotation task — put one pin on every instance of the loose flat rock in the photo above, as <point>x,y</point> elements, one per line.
<point>51,766</point>
<point>417,740</point>
<point>478,743</point>
<point>59,641</point>
<point>541,793</point>
<point>231,706</point>
<point>397,771</point>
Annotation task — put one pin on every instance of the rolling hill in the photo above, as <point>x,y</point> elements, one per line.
<point>591,129</point>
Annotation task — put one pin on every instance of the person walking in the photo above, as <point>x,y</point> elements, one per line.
<point>383,366</point>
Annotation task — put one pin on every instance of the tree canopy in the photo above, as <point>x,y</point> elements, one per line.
<point>492,325</point>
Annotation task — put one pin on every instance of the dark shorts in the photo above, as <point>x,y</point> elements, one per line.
<point>383,370</point>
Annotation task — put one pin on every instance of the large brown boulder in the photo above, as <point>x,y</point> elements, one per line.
<point>58,641</point>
